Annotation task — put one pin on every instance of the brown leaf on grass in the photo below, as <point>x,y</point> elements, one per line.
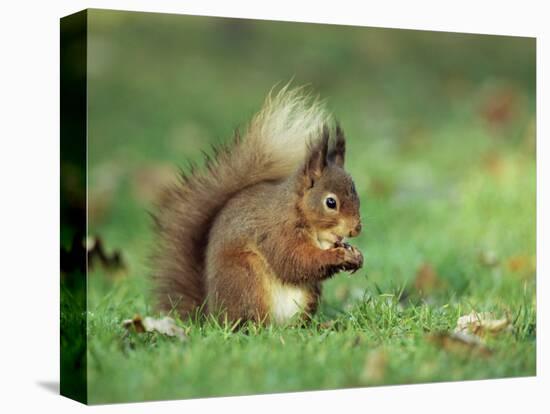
<point>521,263</point>
<point>481,323</point>
<point>460,343</point>
<point>165,326</point>
<point>375,367</point>
<point>427,280</point>
<point>467,336</point>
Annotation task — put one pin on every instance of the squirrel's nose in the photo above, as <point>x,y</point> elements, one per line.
<point>355,231</point>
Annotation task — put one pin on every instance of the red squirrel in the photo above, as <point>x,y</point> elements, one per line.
<point>254,234</point>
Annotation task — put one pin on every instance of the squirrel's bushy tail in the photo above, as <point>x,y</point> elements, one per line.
<point>274,145</point>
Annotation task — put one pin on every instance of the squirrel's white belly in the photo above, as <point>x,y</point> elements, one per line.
<point>286,301</point>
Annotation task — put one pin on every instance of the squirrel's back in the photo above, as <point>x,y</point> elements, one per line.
<point>272,147</point>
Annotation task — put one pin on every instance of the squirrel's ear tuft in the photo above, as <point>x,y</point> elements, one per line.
<point>338,153</point>
<point>317,158</point>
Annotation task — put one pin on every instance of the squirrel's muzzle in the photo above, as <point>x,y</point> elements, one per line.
<point>355,232</point>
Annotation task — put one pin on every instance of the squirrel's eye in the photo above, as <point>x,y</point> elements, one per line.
<point>331,203</point>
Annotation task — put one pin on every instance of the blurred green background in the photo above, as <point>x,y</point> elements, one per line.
<point>441,144</point>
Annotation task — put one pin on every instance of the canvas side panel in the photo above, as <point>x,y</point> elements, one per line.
<point>73,345</point>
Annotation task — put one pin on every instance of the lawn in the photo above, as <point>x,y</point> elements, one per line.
<point>441,144</point>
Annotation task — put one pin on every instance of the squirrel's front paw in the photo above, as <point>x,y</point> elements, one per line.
<point>350,258</point>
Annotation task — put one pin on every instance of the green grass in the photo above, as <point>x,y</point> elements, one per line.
<point>216,361</point>
<point>442,183</point>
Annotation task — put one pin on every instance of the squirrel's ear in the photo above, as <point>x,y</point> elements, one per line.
<point>338,153</point>
<point>317,159</point>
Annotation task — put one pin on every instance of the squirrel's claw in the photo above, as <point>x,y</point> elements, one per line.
<point>353,259</point>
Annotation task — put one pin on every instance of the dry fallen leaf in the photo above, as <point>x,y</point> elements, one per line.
<point>481,323</point>
<point>522,264</point>
<point>469,330</point>
<point>165,326</point>
<point>460,343</point>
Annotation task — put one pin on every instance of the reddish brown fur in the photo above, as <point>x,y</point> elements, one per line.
<point>233,235</point>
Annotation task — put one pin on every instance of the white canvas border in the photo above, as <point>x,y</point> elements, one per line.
<point>29,179</point>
